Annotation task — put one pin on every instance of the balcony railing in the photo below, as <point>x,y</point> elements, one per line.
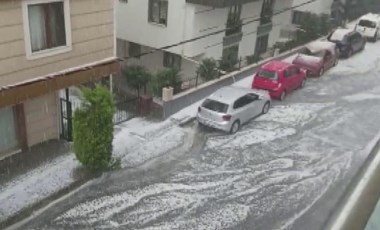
<point>232,39</point>
<point>219,3</point>
<point>264,29</point>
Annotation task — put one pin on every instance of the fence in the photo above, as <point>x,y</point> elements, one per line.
<point>125,110</point>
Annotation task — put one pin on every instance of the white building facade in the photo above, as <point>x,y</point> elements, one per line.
<point>143,25</point>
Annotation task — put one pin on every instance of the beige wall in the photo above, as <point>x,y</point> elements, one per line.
<point>41,119</point>
<point>92,40</point>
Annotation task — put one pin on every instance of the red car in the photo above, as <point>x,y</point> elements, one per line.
<point>279,78</point>
<point>318,57</point>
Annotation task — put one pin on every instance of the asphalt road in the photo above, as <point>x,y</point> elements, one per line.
<point>285,170</point>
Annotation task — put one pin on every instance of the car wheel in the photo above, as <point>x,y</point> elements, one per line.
<point>336,61</point>
<point>350,52</point>
<point>235,127</point>
<point>303,83</point>
<point>283,96</point>
<point>266,107</point>
<point>321,72</point>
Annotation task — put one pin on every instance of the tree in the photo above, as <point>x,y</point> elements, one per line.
<point>207,70</point>
<point>166,77</point>
<point>137,77</point>
<point>93,129</point>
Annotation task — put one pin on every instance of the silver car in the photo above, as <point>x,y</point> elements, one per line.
<point>230,107</point>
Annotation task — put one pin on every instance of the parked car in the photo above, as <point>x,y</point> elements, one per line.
<point>318,57</point>
<point>279,78</point>
<point>230,107</point>
<point>347,41</point>
<point>369,26</point>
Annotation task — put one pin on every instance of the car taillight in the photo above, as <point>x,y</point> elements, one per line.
<point>227,117</point>
<point>199,109</point>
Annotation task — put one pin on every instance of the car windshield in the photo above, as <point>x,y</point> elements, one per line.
<point>268,74</point>
<point>367,23</point>
<point>215,106</point>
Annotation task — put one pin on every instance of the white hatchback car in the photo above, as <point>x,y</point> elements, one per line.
<point>230,107</point>
<point>369,26</point>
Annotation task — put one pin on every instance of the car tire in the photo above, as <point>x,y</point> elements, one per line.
<point>283,95</point>
<point>350,53</point>
<point>336,61</point>
<point>303,83</point>
<point>266,107</point>
<point>235,127</point>
<point>321,72</point>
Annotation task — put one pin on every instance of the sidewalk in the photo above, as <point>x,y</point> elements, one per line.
<point>51,170</point>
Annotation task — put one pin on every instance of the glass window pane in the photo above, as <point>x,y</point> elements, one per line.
<point>8,140</point>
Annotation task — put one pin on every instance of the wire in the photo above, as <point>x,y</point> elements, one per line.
<point>213,33</point>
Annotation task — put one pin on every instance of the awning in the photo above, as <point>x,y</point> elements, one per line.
<point>20,92</point>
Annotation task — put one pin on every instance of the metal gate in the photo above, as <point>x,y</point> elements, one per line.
<point>66,120</point>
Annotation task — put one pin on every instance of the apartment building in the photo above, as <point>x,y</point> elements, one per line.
<point>46,47</point>
<point>215,28</point>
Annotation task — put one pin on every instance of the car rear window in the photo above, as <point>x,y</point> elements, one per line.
<point>367,23</point>
<point>268,74</point>
<point>215,106</point>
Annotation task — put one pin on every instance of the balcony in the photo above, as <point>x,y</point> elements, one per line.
<point>233,39</point>
<point>219,3</point>
<point>264,29</point>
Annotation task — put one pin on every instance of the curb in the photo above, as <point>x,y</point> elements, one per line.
<point>28,211</point>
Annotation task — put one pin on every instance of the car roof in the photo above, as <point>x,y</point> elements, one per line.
<point>229,94</point>
<point>339,34</point>
<point>370,17</point>
<point>276,65</point>
<point>317,46</point>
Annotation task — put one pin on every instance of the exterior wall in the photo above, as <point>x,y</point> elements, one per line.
<point>133,25</point>
<point>41,119</point>
<point>317,7</point>
<point>92,40</point>
<point>249,12</point>
<point>280,21</point>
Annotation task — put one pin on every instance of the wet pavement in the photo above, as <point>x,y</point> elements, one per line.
<point>285,170</point>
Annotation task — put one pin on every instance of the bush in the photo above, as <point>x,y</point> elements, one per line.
<point>167,77</point>
<point>228,62</point>
<point>253,59</point>
<point>208,69</point>
<point>137,77</point>
<point>93,129</point>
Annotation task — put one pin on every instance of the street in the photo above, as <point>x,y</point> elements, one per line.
<point>284,170</point>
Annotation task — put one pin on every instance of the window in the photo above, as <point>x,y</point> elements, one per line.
<point>367,23</point>
<point>215,106</point>
<point>298,17</point>
<point>134,50</point>
<point>262,44</point>
<point>287,73</point>
<point>245,100</point>
<point>123,1</point>
<point>172,60</point>
<point>47,27</point>
<point>158,11</point>
<point>268,74</point>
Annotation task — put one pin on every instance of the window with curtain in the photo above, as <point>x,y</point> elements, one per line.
<point>46,26</point>
<point>158,11</point>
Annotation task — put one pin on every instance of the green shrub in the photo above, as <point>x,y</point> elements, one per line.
<point>228,62</point>
<point>166,77</point>
<point>207,70</point>
<point>93,129</point>
<point>137,77</point>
